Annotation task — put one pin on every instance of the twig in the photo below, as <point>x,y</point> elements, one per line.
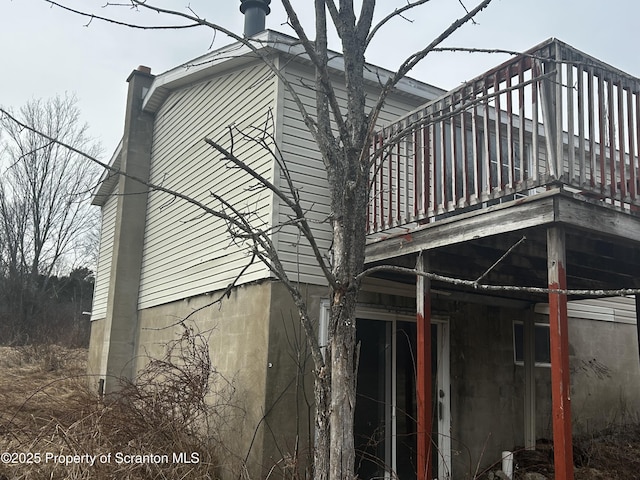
<point>500,259</point>
<point>396,13</point>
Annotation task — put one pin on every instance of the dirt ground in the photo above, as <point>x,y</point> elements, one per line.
<point>43,394</point>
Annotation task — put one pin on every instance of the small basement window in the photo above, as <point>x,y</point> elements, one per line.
<point>542,346</point>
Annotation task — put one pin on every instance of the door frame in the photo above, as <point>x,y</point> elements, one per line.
<point>443,386</point>
<point>443,381</point>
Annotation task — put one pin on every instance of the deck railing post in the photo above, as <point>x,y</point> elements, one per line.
<point>551,94</point>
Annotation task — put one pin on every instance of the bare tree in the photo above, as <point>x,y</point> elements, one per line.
<point>342,134</point>
<point>45,218</point>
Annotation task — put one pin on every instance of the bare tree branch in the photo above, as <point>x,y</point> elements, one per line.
<point>497,288</point>
<point>398,12</point>
<point>198,21</point>
<point>497,262</point>
<point>318,55</point>
<point>364,21</point>
<point>135,26</point>
<point>414,59</point>
<point>235,220</point>
<point>293,204</point>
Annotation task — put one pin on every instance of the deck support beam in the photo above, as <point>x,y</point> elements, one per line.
<point>558,327</point>
<point>423,382</point>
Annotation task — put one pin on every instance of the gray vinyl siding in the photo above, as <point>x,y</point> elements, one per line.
<point>616,309</point>
<point>107,229</point>
<point>307,171</point>
<point>186,250</point>
<point>611,309</point>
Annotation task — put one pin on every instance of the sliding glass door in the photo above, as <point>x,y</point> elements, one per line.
<point>385,417</point>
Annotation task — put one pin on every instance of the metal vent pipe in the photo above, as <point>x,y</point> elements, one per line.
<point>255,13</point>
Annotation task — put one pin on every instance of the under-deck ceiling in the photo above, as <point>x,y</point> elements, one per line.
<point>596,258</point>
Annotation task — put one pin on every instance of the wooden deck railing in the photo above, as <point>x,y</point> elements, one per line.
<point>552,115</point>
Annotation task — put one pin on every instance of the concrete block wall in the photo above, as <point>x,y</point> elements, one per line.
<point>605,374</point>
<point>256,345</point>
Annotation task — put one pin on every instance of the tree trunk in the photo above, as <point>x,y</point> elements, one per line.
<point>349,204</point>
<point>321,453</point>
<point>343,391</point>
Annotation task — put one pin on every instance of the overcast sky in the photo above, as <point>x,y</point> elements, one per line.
<point>46,51</point>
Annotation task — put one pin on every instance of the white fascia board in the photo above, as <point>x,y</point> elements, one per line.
<point>268,41</point>
<point>108,179</point>
<point>193,72</point>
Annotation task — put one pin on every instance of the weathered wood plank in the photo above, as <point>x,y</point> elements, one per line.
<point>581,129</point>
<point>558,106</point>
<point>525,213</point>
<point>597,218</point>
<point>498,132</point>
<point>621,143</point>
<point>535,123</point>
<point>570,125</point>
<point>476,153</point>
<point>602,116</point>
<point>521,126</point>
<point>611,140</point>
<point>486,190</point>
<point>510,153</point>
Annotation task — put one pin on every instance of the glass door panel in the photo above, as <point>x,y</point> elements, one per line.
<point>373,397</point>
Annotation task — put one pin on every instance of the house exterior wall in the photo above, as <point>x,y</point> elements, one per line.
<point>289,399</point>
<point>255,339</point>
<point>488,387</point>
<point>258,352</point>
<point>105,255</point>
<point>609,309</point>
<point>605,374</point>
<point>94,360</point>
<point>124,278</point>
<point>187,255</point>
<point>237,332</point>
<point>187,251</point>
<point>306,167</point>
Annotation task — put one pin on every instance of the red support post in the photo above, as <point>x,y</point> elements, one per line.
<point>638,319</point>
<point>423,382</point>
<point>558,328</point>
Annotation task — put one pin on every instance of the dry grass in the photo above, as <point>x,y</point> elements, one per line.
<point>613,454</point>
<point>37,384</point>
<point>46,409</point>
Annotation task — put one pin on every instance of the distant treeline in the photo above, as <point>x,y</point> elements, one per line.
<point>45,309</point>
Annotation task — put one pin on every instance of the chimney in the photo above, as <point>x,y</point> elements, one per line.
<point>255,12</point>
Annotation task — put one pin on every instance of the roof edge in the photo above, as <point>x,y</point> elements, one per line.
<point>238,53</point>
<point>108,179</point>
